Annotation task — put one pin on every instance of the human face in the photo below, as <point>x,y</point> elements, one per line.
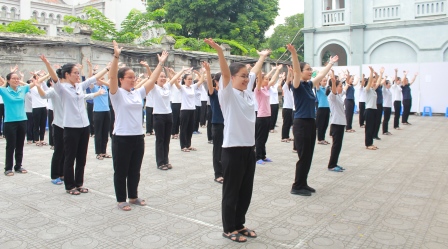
<point>73,77</point>
<point>265,81</point>
<point>323,82</point>
<point>241,79</point>
<point>128,81</point>
<point>14,81</point>
<point>339,89</point>
<point>162,79</point>
<point>307,72</point>
<point>189,80</point>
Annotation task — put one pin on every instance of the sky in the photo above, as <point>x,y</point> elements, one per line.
<point>287,8</point>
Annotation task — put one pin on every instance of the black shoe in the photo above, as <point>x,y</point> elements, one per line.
<point>302,192</point>
<point>377,138</point>
<point>312,190</point>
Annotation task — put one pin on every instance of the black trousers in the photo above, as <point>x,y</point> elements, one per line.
<point>238,164</point>
<point>274,116</point>
<point>29,127</point>
<point>261,136</point>
<point>323,119</point>
<point>76,143</point>
<point>197,116</point>
<point>175,107</point>
<point>50,127</point>
<point>379,114</point>
<point>287,122</point>
<point>362,109</point>
<point>407,104</point>
<point>337,133</point>
<point>370,117</point>
<point>101,125</point>
<point>127,155</point>
<point>349,111</point>
<point>186,128</point>
<point>209,123</point>
<point>149,120</point>
<point>40,121</point>
<point>162,126</point>
<point>15,138</point>
<point>304,130</point>
<point>57,162</point>
<point>112,120</point>
<point>90,116</point>
<point>2,117</point>
<point>397,108</point>
<point>218,138</point>
<point>387,111</point>
<point>203,117</point>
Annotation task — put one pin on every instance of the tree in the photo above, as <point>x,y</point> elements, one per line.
<point>245,21</point>
<point>23,26</point>
<point>284,33</point>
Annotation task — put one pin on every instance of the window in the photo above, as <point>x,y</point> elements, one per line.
<point>58,19</point>
<point>333,4</point>
<point>4,10</point>
<point>13,13</point>
<point>35,15</point>
<point>42,17</point>
<point>50,18</point>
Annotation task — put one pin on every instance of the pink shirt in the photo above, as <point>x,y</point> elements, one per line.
<point>264,107</point>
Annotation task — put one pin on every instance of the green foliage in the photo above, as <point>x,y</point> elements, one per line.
<point>193,44</point>
<point>23,26</point>
<point>284,33</point>
<point>68,29</point>
<point>3,28</point>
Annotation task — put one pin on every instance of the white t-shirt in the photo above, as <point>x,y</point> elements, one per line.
<point>370,98</point>
<point>288,98</point>
<point>188,97</point>
<point>362,94</point>
<point>387,97</point>
<point>38,102</point>
<point>1,100</point>
<point>28,102</point>
<point>149,99</point>
<point>273,94</point>
<point>128,111</point>
<point>204,95</point>
<point>161,97</point>
<point>176,95</point>
<point>336,102</point>
<point>239,116</point>
<point>396,92</point>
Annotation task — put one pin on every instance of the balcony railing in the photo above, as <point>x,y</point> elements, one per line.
<point>430,8</point>
<point>333,17</point>
<point>386,13</point>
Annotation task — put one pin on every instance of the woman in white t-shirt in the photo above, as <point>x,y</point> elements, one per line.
<point>397,97</point>
<point>370,112</point>
<point>238,157</point>
<point>128,144</point>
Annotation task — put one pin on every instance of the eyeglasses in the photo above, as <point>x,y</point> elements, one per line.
<point>132,78</point>
<point>243,76</point>
<point>308,69</point>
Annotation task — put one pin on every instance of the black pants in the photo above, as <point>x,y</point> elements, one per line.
<point>407,104</point>
<point>162,126</point>
<point>349,110</point>
<point>186,128</point>
<point>274,116</point>
<point>337,133</point>
<point>370,116</point>
<point>379,114</point>
<point>90,116</point>
<point>76,143</point>
<point>218,138</point>
<point>149,120</point>
<point>197,116</point>
<point>102,124</point>
<point>203,117</point>
<point>261,136</point>
<point>304,130</point>
<point>175,107</point>
<point>362,109</point>
<point>40,121</point>
<point>323,118</point>
<point>209,123</point>
<point>112,120</point>
<point>50,127</point>
<point>15,138</point>
<point>397,108</point>
<point>387,111</point>
<point>57,162</point>
<point>2,117</point>
<point>29,126</point>
<point>127,153</point>
<point>287,122</point>
<point>238,164</point>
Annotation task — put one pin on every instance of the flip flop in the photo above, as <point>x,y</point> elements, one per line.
<point>73,192</point>
<point>192,149</point>
<point>138,201</point>
<point>82,190</point>
<point>234,237</point>
<point>247,232</point>
<point>9,173</point>
<point>107,156</point>
<point>219,180</point>
<point>21,171</point>
<point>124,206</point>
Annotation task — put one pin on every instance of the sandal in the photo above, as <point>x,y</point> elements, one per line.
<point>219,180</point>
<point>9,173</point>
<point>38,144</point>
<point>163,167</point>
<point>106,156</point>
<point>83,190</point>
<point>138,201</point>
<point>73,191</point>
<point>322,142</point>
<point>43,143</point>
<point>235,237</point>
<point>21,170</point>
<point>169,166</point>
<point>192,149</point>
<point>29,142</point>
<point>99,157</point>
<point>247,232</point>
<point>124,206</point>
<point>371,147</point>
<point>185,150</point>
<point>286,140</point>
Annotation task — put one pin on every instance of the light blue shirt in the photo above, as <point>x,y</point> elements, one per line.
<point>322,97</point>
<point>14,102</point>
<point>100,103</point>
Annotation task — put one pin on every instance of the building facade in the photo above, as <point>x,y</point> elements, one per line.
<point>376,31</point>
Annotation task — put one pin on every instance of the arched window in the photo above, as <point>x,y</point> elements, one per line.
<point>4,11</point>
<point>42,17</point>
<point>50,18</point>
<point>35,15</point>
<point>58,19</point>
<point>13,13</point>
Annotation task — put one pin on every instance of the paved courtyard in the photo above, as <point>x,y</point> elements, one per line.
<point>395,197</point>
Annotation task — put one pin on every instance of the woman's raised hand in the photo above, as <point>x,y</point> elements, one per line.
<point>212,44</point>
<point>117,50</point>
<point>163,57</point>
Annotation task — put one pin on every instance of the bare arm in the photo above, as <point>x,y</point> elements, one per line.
<point>263,55</point>
<point>369,84</point>
<point>148,69</point>
<point>113,74</point>
<point>324,71</point>
<point>333,82</point>
<point>413,79</point>
<point>295,65</point>
<point>275,77</point>
<point>149,85</point>
<point>225,71</point>
<point>175,77</point>
<point>89,69</point>
<point>209,77</point>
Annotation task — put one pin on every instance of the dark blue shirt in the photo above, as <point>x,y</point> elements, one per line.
<point>406,91</point>
<point>304,100</point>
<point>350,93</point>
<point>217,117</point>
<point>379,95</point>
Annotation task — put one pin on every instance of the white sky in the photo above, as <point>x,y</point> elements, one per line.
<point>287,8</point>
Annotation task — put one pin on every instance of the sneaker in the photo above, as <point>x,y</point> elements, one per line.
<point>312,190</point>
<point>302,192</point>
<point>56,181</point>
<point>195,132</point>
<point>267,160</point>
<point>377,138</point>
<point>260,161</point>
<point>336,169</point>
<point>387,133</point>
